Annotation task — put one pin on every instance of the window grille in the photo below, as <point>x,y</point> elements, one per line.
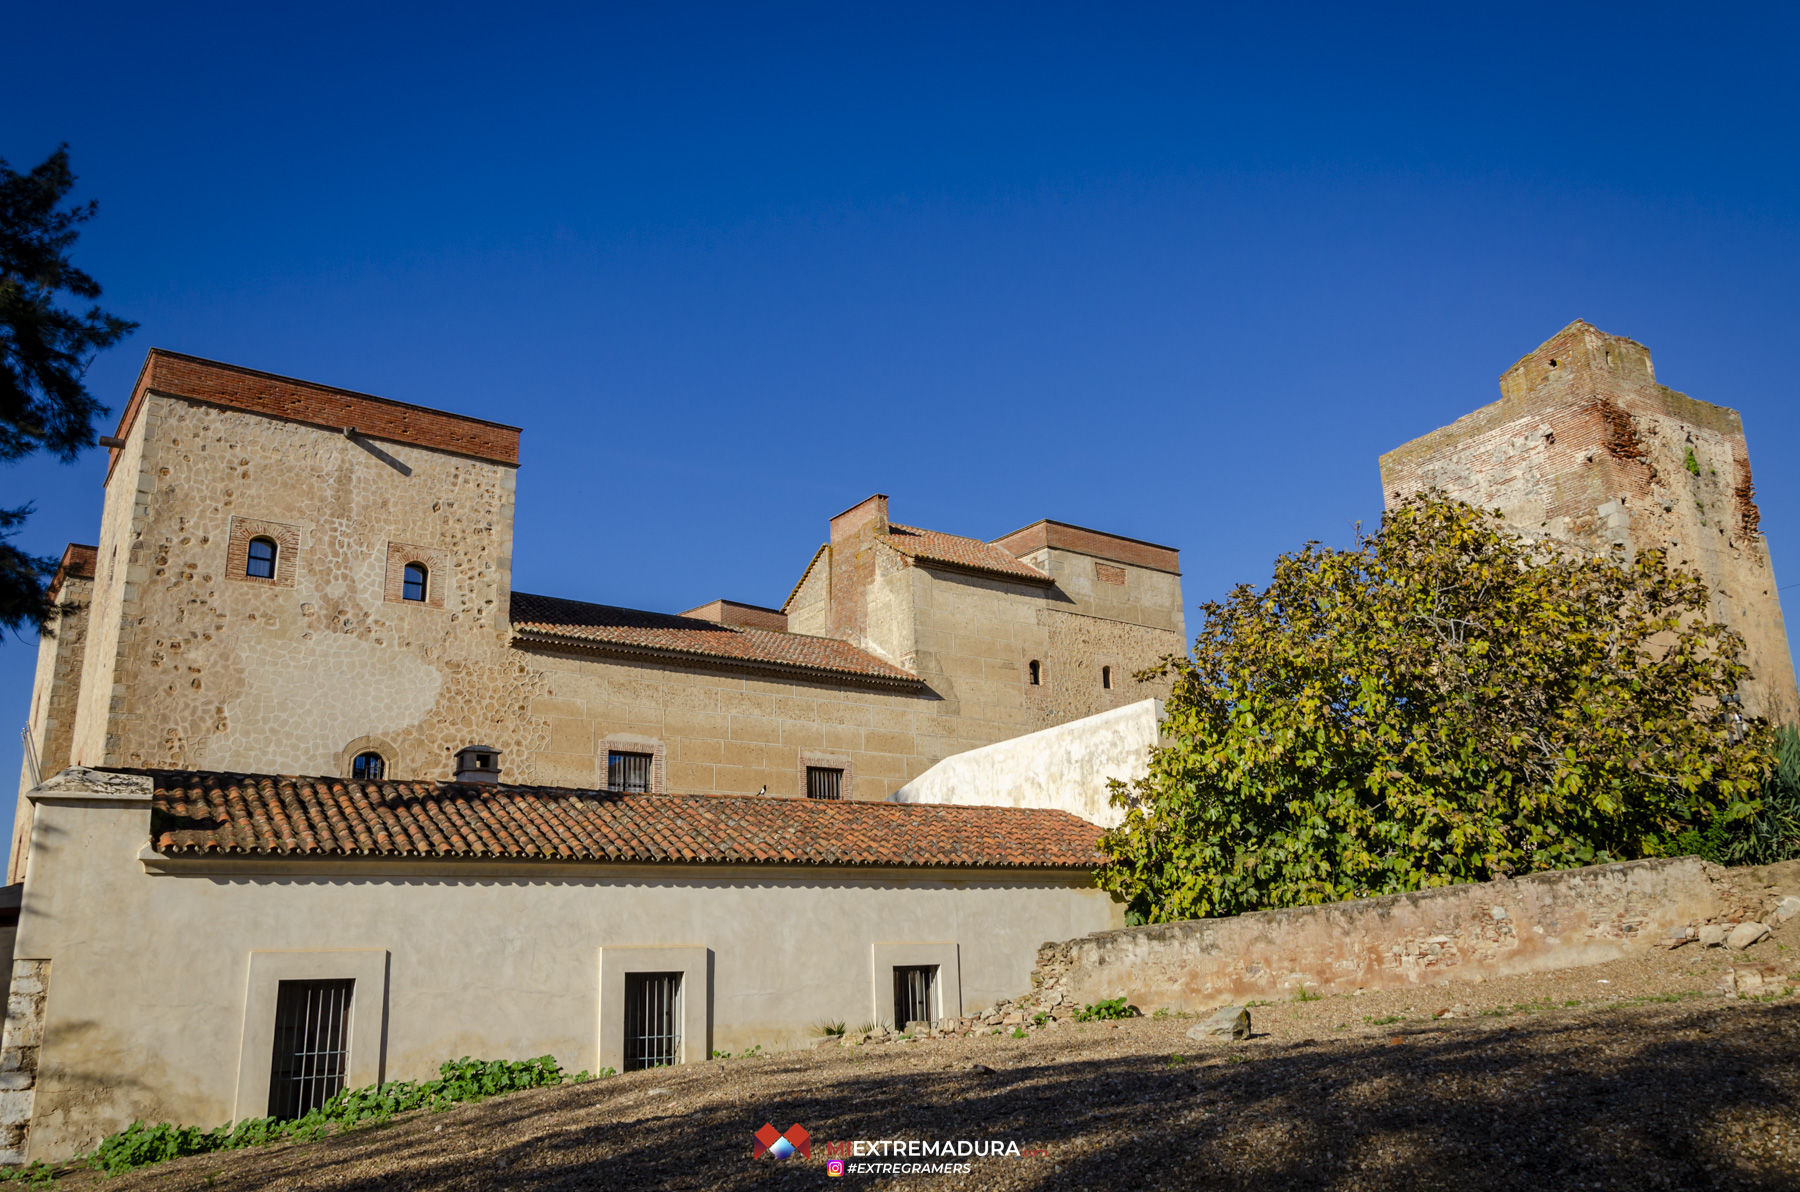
<point>914,990</point>
<point>1034,672</point>
<point>312,1040</point>
<point>1106,678</point>
<point>413,581</point>
<point>259,561</point>
<point>368,767</point>
<point>652,1020</point>
<point>822,782</point>
<point>628,772</point>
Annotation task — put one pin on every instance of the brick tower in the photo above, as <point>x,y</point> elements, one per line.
<point>1584,446</point>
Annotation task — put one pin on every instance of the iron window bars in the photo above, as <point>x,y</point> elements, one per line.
<point>652,1020</point>
<point>628,772</point>
<point>914,986</point>
<point>368,767</point>
<point>823,782</point>
<point>312,1040</point>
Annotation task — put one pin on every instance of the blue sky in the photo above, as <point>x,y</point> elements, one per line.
<point>1178,272</point>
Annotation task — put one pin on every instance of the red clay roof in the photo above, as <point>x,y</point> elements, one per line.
<point>634,631</point>
<point>265,815</point>
<point>930,546</point>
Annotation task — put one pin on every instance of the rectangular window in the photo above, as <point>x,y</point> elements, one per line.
<point>915,989</point>
<point>652,1020</point>
<point>822,782</point>
<point>628,772</point>
<point>312,1042</point>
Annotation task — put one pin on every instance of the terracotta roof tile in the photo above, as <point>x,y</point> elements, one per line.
<point>260,814</point>
<point>932,547</point>
<point>636,631</point>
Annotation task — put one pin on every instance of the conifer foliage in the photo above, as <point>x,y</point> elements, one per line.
<point>45,350</point>
<point>1446,702</point>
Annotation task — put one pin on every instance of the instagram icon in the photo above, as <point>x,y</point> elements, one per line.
<point>834,1167</point>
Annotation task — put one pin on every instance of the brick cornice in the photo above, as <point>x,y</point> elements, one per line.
<point>191,378</point>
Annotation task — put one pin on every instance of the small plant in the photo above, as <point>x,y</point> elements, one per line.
<point>1018,1032</point>
<point>1384,1021</point>
<point>1307,995</point>
<point>37,1174</point>
<point>1176,1060</point>
<point>829,1030</point>
<point>1573,1002</point>
<point>141,1144</point>
<point>1107,1010</point>
<point>1159,1015</point>
<point>1040,1018</point>
<point>1693,465</point>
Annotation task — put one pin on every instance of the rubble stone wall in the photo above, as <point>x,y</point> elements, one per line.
<point>1586,447</point>
<point>1539,923</point>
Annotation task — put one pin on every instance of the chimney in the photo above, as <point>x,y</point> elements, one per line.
<point>854,533</point>
<point>845,525</point>
<point>478,763</point>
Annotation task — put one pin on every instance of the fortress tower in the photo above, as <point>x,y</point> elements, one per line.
<point>1586,447</point>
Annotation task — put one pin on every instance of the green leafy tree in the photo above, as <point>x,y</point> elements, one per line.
<point>45,351</point>
<point>1447,702</point>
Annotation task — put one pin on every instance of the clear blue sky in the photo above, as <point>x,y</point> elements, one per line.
<point>1174,272</point>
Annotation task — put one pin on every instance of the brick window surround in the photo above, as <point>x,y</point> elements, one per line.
<point>287,551</point>
<point>825,760</point>
<point>437,573</point>
<point>636,743</point>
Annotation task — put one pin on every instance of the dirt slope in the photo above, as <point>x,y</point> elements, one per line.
<point>1654,1080</point>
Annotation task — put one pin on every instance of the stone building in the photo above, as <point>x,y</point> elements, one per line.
<point>291,577</point>
<point>1584,446</point>
<point>306,771</point>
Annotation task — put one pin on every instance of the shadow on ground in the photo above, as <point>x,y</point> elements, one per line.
<point>1677,1098</point>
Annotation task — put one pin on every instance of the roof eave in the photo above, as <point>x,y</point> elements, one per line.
<point>696,657</point>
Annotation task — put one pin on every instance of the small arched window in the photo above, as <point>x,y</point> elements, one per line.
<point>1035,672</point>
<point>412,583</point>
<point>368,767</point>
<point>1106,678</point>
<point>259,561</point>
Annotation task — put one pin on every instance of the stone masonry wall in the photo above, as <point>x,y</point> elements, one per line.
<point>19,1049</point>
<point>55,694</point>
<point>1474,932</point>
<point>1585,447</point>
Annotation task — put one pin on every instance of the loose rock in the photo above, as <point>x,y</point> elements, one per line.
<point>1786,909</point>
<point>1746,934</point>
<point>1230,1022</point>
<point>1712,935</point>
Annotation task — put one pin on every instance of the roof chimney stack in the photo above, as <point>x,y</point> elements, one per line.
<point>478,763</point>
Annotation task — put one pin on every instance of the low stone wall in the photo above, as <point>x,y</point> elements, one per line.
<point>1432,937</point>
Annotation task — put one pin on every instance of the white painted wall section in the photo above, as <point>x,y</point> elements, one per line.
<point>1065,768</point>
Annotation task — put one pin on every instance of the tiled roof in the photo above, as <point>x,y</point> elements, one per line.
<point>254,814</point>
<point>932,547</point>
<point>633,631</point>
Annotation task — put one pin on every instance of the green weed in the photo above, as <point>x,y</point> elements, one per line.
<point>1102,1011</point>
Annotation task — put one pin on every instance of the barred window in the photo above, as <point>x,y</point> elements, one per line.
<point>628,772</point>
<point>368,767</point>
<point>823,782</point>
<point>312,1043</point>
<point>915,993</point>
<point>652,1020</point>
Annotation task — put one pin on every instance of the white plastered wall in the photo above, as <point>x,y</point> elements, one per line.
<point>149,1007</point>
<point>1066,768</point>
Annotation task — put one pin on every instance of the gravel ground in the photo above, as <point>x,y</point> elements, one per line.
<point>1638,1074</point>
